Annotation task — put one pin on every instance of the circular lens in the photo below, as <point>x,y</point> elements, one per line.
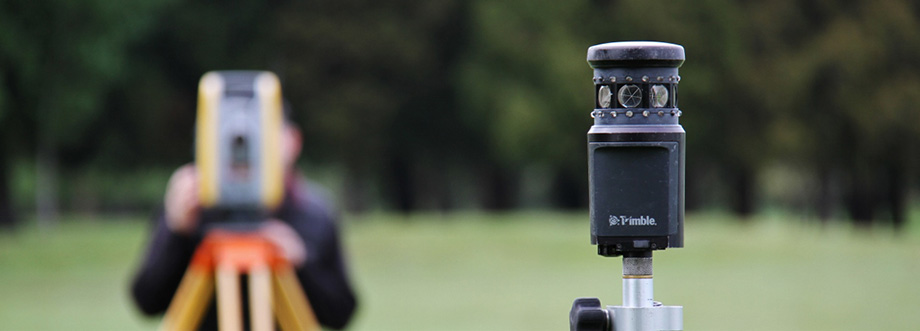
<point>658,96</point>
<point>630,96</point>
<point>604,95</point>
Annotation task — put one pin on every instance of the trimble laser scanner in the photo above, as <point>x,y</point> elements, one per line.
<point>636,178</point>
<point>636,148</point>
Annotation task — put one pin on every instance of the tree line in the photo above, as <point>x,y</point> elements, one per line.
<point>445,104</point>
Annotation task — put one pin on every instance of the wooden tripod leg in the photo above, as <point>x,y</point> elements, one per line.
<point>291,306</point>
<point>260,298</point>
<point>229,303</point>
<point>191,299</point>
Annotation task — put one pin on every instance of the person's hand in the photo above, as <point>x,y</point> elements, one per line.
<point>181,201</point>
<point>286,239</point>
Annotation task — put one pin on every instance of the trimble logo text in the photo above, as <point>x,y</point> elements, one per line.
<point>629,220</point>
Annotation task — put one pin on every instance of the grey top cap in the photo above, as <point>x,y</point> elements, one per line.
<point>636,54</point>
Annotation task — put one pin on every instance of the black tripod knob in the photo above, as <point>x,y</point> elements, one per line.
<point>587,315</point>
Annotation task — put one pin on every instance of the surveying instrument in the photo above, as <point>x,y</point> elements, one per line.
<point>636,178</point>
<point>237,155</point>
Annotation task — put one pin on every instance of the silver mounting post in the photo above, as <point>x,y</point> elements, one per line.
<point>639,311</point>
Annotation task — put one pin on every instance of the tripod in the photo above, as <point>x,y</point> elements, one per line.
<point>273,286</point>
<point>639,311</point>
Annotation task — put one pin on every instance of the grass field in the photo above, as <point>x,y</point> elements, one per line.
<point>516,271</point>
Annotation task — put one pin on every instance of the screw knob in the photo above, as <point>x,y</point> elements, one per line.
<point>587,315</point>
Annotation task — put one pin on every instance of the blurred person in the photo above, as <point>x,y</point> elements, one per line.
<point>303,227</point>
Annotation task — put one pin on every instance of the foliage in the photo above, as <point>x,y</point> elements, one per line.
<point>445,104</point>
<point>60,59</point>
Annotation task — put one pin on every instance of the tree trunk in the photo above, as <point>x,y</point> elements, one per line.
<point>355,190</point>
<point>897,196</point>
<point>403,186</point>
<point>46,186</point>
<point>861,200</point>
<point>744,192</point>
<point>434,189</point>
<point>693,195</point>
<point>825,202</point>
<point>500,189</point>
<point>567,192</point>
<point>7,215</point>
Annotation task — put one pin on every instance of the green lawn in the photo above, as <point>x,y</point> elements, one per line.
<point>516,271</point>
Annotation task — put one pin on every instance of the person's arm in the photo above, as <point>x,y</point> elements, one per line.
<point>326,283</point>
<point>172,244</point>
<point>168,254</point>
<point>323,274</point>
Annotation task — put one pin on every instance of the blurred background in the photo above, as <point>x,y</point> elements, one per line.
<point>456,130</point>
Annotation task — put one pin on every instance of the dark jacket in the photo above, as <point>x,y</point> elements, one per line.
<point>323,276</point>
